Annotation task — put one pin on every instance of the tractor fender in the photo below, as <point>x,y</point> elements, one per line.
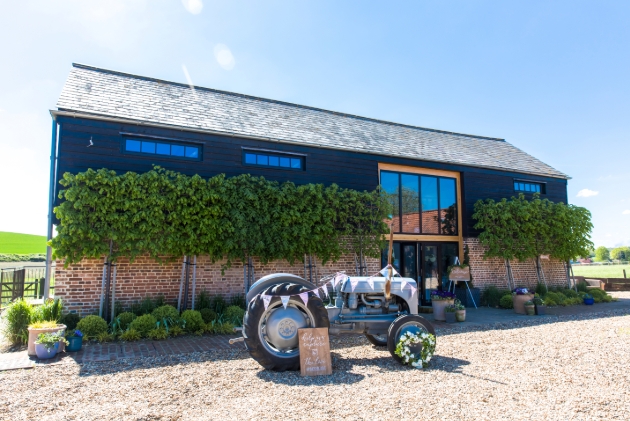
<point>276,278</point>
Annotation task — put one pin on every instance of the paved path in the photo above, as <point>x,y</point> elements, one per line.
<point>482,318</point>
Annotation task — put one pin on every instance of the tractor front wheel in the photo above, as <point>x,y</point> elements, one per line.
<point>407,323</point>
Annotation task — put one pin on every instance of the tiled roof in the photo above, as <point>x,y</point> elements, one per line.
<point>113,94</point>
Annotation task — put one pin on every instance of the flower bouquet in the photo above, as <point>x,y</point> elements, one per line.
<point>416,350</point>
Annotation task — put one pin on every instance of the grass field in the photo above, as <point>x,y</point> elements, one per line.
<point>12,242</point>
<point>601,271</point>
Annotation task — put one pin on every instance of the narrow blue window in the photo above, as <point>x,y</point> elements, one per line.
<point>177,150</point>
<point>274,161</point>
<point>192,152</point>
<point>132,145</point>
<point>262,159</point>
<point>296,163</point>
<point>163,149</point>
<point>148,147</point>
<point>285,162</point>
<point>250,158</point>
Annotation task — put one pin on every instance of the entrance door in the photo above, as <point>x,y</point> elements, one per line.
<point>427,263</point>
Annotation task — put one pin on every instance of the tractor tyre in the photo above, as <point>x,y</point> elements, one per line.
<point>271,334</point>
<point>377,340</point>
<point>408,322</point>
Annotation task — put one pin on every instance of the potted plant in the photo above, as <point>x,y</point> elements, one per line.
<point>519,297</point>
<point>460,311</point>
<point>530,308</point>
<point>47,345</point>
<point>539,306</point>
<point>36,329</point>
<point>439,301</point>
<point>588,299</point>
<point>75,341</point>
<point>449,313</point>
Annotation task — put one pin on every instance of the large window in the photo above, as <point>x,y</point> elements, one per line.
<point>423,204</point>
<point>273,160</point>
<point>162,148</point>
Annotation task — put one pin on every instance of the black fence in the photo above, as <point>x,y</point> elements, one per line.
<point>23,282</point>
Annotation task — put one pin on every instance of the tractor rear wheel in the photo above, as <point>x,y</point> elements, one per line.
<point>407,323</point>
<point>271,334</point>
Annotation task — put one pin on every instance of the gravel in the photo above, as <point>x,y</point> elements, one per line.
<point>575,368</point>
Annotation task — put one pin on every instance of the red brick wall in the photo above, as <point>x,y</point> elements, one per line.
<point>79,285</point>
<point>486,272</point>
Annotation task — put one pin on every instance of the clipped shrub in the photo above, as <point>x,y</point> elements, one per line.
<point>550,302</point>
<point>556,297</point>
<point>165,312</point>
<point>597,294</point>
<point>158,333</point>
<point>193,320</point>
<point>569,293</point>
<point>130,335</point>
<point>18,316</point>
<point>541,289</point>
<point>143,324</point>
<point>208,315</point>
<point>491,296</point>
<point>70,320</point>
<point>175,331</point>
<point>92,326</point>
<point>506,302</point>
<point>220,328</point>
<point>125,319</point>
<point>234,315</point>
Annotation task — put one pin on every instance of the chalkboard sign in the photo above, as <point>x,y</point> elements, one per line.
<point>314,352</point>
<point>459,274</point>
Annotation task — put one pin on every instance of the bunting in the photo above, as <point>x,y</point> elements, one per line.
<point>304,297</point>
<point>316,292</point>
<point>266,300</point>
<point>353,283</point>
<point>285,300</point>
<point>370,282</point>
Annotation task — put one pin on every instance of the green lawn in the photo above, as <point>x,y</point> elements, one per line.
<point>607,271</point>
<point>12,242</point>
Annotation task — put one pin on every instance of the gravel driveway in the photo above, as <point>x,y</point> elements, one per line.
<point>575,369</point>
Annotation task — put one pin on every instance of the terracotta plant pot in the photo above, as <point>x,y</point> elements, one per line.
<point>438,309</point>
<point>530,310</point>
<point>44,353</point>
<point>450,317</point>
<point>460,315</point>
<point>34,333</point>
<point>519,302</point>
<point>541,310</point>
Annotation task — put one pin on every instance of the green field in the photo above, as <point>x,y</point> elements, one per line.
<point>12,242</point>
<point>602,271</point>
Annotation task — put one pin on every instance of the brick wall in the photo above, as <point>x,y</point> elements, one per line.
<point>79,285</point>
<point>486,272</point>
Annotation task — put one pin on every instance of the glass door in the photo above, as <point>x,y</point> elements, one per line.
<point>430,272</point>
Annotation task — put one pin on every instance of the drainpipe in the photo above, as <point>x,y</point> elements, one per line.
<point>51,201</point>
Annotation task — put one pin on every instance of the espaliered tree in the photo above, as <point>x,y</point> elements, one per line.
<point>168,215</point>
<point>524,229</point>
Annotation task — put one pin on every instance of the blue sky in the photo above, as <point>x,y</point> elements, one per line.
<point>549,77</point>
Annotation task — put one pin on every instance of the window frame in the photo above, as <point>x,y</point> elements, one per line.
<point>439,205</point>
<point>542,185</point>
<point>272,153</point>
<point>160,140</point>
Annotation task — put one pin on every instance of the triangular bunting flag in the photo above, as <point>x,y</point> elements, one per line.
<point>304,297</point>
<point>413,290</point>
<point>325,289</point>
<point>316,291</point>
<point>385,271</point>
<point>266,300</point>
<point>338,278</point>
<point>285,300</point>
<point>370,281</point>
<point>353,283</point>
<point>403,283</point>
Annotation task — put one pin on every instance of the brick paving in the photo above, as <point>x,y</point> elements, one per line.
<point>116,350</point>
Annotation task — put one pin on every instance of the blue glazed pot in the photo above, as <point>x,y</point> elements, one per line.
<point>75,344</point>
<point>44,353</point>
<point>589,301</point>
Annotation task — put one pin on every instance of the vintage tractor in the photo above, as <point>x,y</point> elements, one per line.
<point>380,308</point>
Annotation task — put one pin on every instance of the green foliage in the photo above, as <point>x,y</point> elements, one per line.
<point>147,306</point>
<point>176,331</point>
<point>491,296</point>
<point>569,293</point>
<point>193,319</point>
<point>92,326</point>
<point>219,304</point>
<point>166,312</point>
<point>506,301</point>
<point>556,297</point>
<point>541,289</point>
<point>620,253</point>
<point>203,300</point>
<point>234,315</point>
<point>208,315</point>
<point>220,327</point>
<point>239,301</point>
<point>50,310</point>
<point>164,213</point>
<point>105,337</point>
<point>602,254</point>
<point>5,257</point>
<point>143,324</point>
<point>550,302</point>
<point>125,319</point>
<point>17,317</point>
<point>582,287</point>
<point>524,229</point>
<point>130,335</point>
<point>70,320</point>
<point>158,333</point>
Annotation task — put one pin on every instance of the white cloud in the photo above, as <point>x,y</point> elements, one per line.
<point>224,56</point>
<point>626,212</point>
<point>193,6</point>
<point>587,193</point>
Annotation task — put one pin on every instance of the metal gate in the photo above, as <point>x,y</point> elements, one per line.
<point>23,282</point>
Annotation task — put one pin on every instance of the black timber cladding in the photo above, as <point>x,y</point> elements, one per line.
<point>223,154</point>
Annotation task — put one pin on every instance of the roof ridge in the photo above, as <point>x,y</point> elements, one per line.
<point>291,104</point>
